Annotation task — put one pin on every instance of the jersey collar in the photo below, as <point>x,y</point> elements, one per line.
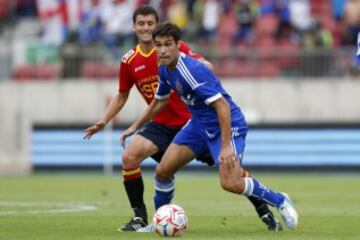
<point>138,49</point>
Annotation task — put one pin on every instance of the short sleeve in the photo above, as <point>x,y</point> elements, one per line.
<point>207,86</point>
<point>125,81</point>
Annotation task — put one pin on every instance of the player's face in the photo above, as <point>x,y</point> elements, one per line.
<point>167,50</point>
<point>144,26</point>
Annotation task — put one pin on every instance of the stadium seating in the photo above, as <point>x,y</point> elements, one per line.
<point>98,70</point>
<point>4,8</point>
<point>259,55</point>
<point>268,70</point>
<point>266,25</point>
<point>227,28</point>
<point>289,55</point>
<point>320,8</point>
<point>36,72</point>
<point>47,72</point>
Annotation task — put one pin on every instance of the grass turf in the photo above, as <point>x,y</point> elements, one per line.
<point>35,207</point>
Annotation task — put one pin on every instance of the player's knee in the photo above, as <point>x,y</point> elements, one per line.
<point>130,160</point>
<point>162,172</point>
<point>227,185</point>
<point>232,185</point>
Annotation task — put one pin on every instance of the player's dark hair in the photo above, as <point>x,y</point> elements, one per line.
<point>167,29</point>
<point>145,10</point>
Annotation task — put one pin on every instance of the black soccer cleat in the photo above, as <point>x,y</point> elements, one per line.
<point>272,222</point>
<point>133,225</point>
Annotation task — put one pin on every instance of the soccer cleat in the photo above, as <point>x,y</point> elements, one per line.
<point>148,228</point>
<point>272,222</point>
<point>133,225</point>
<point>288,212</point>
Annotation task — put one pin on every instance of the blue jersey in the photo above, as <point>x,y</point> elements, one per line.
<point>198,87</point>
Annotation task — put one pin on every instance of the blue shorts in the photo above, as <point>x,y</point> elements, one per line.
<point>202,141</point>
<point>162,136</point>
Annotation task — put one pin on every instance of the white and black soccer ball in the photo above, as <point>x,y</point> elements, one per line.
<point>170,220</point>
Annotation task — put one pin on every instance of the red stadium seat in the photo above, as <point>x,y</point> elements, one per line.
<point>98,70</point>
<point>227,25</point>
<point>320,7</point>
<point>288,55</point>
<point>24,72</point>
<point>267,70</point>
<point>4,9</point>
<point>36,72</point>
<point>107,72</point>
<point>265,42</point>
<point>47,72</point>
<point>266,25</point>
<point>266,53</point>
<point>227,28</point>
<point>89,70</point>
<point>236,68</point>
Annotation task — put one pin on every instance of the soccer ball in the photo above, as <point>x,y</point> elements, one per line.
<point>170,220</point>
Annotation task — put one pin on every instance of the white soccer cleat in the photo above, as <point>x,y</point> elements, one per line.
<point>148,228</point>
<point>288,212</point>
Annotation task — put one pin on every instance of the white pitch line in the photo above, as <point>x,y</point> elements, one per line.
<point>60,207</point>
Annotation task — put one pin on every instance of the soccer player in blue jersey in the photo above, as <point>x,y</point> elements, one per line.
<point>217,125</point>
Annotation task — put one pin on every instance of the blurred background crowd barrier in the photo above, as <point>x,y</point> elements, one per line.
<point>286,62</point>
<point>57,39</point>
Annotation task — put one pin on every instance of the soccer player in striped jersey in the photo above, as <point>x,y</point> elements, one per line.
<point>217,125</point>
<point>139,67</point>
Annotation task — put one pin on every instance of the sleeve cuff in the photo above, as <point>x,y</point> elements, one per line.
<point>213,98</point>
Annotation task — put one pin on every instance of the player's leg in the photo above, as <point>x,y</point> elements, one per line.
<point>263,211</point>
<point>174,158</point>
<point>186,145</point>
<point>261,207</point>
<point>149,141</point>
<point>139,149</point>
<point>233,180</point>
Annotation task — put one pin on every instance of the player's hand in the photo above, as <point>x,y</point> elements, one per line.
<point>93,129</point>
<point>127,133</point>
<point>228,157</point>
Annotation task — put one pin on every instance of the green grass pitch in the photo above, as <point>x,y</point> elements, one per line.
<point>93,206</point>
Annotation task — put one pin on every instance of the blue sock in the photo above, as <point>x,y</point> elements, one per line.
<point>164,191</point>
<point>256,189</point>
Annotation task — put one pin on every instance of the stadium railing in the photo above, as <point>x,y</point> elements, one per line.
<point>257,62</point>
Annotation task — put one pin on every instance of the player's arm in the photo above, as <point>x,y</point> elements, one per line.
<point>154,109</point>
<point>118,102</point>
<point>222,108</point>
<point>158,104</point>
<point>115,106</point>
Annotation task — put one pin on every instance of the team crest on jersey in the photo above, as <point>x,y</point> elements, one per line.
<point>188,100</point>
<point>127,55</point>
